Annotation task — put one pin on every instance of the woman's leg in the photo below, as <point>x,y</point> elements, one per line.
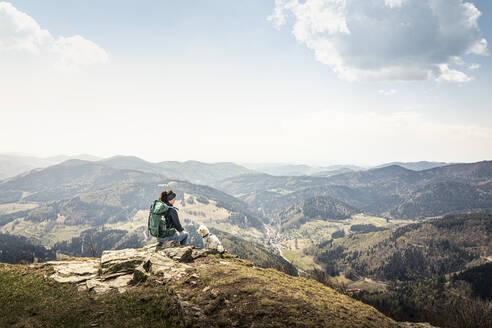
<point>180,237</point>
<point>183,237</point>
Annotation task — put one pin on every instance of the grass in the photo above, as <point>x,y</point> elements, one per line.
<point>241,295</point>
<point>228,292</point>
<point>16,207</point>
<point>28,299</point>
<point>48,233</point>
<point>316,231</point>
<point>299,260</point>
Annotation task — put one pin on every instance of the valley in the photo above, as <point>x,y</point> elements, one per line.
<point>367,233</point>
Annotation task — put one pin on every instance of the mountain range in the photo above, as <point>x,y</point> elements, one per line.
<point>12,165</point>
<point>358,225</point>
<point>391,191</point>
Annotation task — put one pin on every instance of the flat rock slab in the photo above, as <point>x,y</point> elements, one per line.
<point>124,260</point>
<point>74,271</point>
<point>119,269</point>
<point>100,287</point>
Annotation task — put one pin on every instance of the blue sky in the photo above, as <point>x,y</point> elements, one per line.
<point>219,81</point>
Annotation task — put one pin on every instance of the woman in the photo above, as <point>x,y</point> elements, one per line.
<point>172,219</point>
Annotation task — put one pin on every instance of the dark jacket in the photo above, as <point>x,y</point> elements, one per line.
<point>172,219</point>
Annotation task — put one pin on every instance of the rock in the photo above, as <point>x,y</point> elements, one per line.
<point>165,244</point>
<point>100,287</point>
<point>214,293</point>
<point>77,267</point>
<point>139,275</point>
<point>74,271</point>
<point>175,273</point>
<point>112,275</point>
<point>97,286</point>
<point>180,254</point>
<point>119,269</point>
<point>122,260</point>
<point>157,264</point>
<point>121,283</point>
<point>71,279</point>
<point>202,252</point>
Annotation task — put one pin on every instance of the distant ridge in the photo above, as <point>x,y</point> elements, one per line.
<point>301,169</point>
<point>390,191</point>
<point>415,166</point>
<point>12,164</point>
<point>192,171</point>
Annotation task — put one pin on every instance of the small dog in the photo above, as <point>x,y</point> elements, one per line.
<point>210,240</point>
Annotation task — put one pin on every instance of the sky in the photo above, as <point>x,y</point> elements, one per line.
<point>296,81</point>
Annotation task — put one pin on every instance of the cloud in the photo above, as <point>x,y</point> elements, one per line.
<point>21,33</point>
<point>386,39</point>
<point>75,52</point>
<point>474,66</point>
<point>389,92</point>
<point>394,3</point>
<point>451,75</point>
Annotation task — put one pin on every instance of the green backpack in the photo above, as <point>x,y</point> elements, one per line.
<point>157,227</point>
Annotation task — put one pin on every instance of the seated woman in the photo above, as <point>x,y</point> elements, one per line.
<point>172,219</point>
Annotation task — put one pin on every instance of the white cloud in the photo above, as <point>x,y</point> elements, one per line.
<point>474,66</point>
<point>76,52</point>
<point>389,92</point>
<point>479,48</point>
<point>451,75</point>
<point>21,33</point>
<point>394,3</point>
<point>386,39</point>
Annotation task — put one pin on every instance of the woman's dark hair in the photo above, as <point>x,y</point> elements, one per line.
<point>167,195</point>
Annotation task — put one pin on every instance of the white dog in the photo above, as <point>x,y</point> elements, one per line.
<point>210,240</point>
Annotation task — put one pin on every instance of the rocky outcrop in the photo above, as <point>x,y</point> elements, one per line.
<point>120,269</point>
<point>223,291</point>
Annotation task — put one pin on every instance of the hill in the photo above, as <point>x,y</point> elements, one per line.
<point>192,171</point>
<point>435,271</point>
<point>415,166</point>
<point>329,173</point>
<point>58,203</point>
<point>172,287</point>
<point>316,208</point>
<point>255,253</point>
<point>299,169</point>
<point>12,165</point>
<point>443,198</point>
<point>18,249</point>
<point>391,191</point>
<point>66,180</point>
<point>202,173</point>
<point>416,251</point>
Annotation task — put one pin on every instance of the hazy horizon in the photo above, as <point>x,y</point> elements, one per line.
<point>242,163</point>
<point>319,82</point>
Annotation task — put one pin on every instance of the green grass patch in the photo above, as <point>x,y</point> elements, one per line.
<point>28,299</point>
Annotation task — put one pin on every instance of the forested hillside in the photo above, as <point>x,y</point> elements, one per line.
<point>391,191</point>
<point>422,250</point>
<point>55,205</point>
<point>316,208</point>
<point>18,249</point>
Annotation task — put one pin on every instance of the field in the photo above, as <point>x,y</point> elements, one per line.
<point>193,210</point>
<point>295,244</point>
<point>16,207</point>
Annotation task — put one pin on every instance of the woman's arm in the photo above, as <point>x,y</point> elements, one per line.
<point>173,214</point>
